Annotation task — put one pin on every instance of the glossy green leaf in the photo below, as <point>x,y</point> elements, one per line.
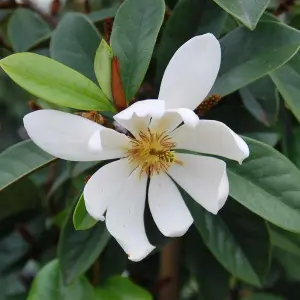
<point>54,82</point>
<point>102,66</point>
<point>247,11</point>
<point>78,250</point>
<point>289,261</point>
<point>230,237</point>
<point>206,269</point>
<point>268,47</point>
<point>26,28</point>
<point>285,240</point>
<point>269,138</point>
<point>260,296</point>
<point>5,13</point>
<point>203,16</point>
<point>268,184</point>
<point>121,288</point>
<point>287,79</point>
<point>81,219</point>
<point>133,38</point>
<point>100,15</point>
<point>74,43</point>
<point>294,147</point>
<point>48,285</point>
<point>15,245</point>
<point>259,98</point>
<point>113,260</point>
<point>22,196</point>
<point>21,160</point>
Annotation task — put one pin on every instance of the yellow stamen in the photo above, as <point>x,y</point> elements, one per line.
<point>152,152</point>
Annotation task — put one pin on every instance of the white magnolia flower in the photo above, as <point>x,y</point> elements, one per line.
<point>119,188</point>
<point>45,6</point>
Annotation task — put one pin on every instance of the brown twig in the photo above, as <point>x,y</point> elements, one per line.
<point>284,6</point>
<point>169,271</point>
<point>116,86</point>
<point>96,273</point>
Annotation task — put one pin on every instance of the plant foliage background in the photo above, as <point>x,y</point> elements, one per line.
<point>251,250</point>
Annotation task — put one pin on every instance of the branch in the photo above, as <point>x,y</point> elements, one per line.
<point>169,271</point>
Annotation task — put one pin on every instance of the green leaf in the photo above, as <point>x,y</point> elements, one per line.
<point>81,219</point>
<point>25,29</point>
<point>290,262</point>
<point>15,247</point>
<point>74,43</point>
<point>101,15</point>
<point>264,297</point>
<point>121,288</point>
<point>54,82</point>
<point>247,11</point>
<point>287,79</point>
<point>77,250</point>
<point>207,270</point>
<point>285,240</point>
<point>5,12</point>
<point>267,183</point>
<point>259,98</point>
<point>237,238</point>
<point>20,160</point>
<point>48,285</point>
<point>102,66</point>
<point>133,38</point>
<point>189,18</point>
<point>294,147</point>
<point>113,260</point>
<point>268,47</point>
<point>269,138</point>
<point>22,196</point>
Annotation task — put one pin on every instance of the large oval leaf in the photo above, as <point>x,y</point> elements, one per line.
<point>238,239</point>
<point>121,288</point>
<point>134,34</point>
<point>20,160</point>
<point>248,56</point>
<point>74,43</point>
<point>259,296</point>
<point>285,240</point>
<point>26,28</point>
<point>77,250</point>
<point>260,100</point>
<point>22,196</point>
<point>81,219</point>
<point>203,16</point>
<point>268,184</point>
<point>206,269</point>
<point>247,11</point>
<point>48,285</point>
<point>102,67</point>
<point>287,80</point>
<point>54,82</point>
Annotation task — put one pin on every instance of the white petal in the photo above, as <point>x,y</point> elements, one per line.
<point>125,218</point>
<point>172,118</point>
<point>211,137</point>
<point>44,5</point>
<point>103,187</point>
<point>107,140</point>
<point>137,117</point>
<point>191,72</point>
<point>64,135</point>
<point>168,209</point>
<point>203,178</point>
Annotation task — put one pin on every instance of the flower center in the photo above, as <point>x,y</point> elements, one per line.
<point>152,152</point>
